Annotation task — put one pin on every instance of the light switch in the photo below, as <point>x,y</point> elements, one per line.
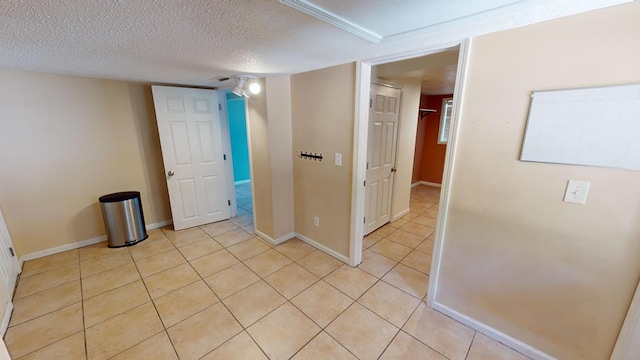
<point>338,159</point>
<point>576,192</point>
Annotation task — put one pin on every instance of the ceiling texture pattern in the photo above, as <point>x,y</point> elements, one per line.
<point>192,41</point>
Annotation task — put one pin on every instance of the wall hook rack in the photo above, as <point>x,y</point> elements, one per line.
<point>310,156</point>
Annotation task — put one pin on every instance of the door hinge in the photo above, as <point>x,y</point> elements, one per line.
<point>224,156</point>
<point>219,106</point>
<point>370,103</point>
<point>367,165</point>
<point>365,183</point>
<point>12,252</point>
<point>365,220</point>
<point>229,202</point>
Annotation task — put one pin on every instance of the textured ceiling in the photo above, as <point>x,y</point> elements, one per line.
<point>190,41</point>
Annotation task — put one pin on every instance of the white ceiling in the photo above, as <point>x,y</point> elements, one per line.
<point>190,42</point>
<point>371,20</point>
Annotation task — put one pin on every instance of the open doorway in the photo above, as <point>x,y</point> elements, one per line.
<point>237,115</point>
<point>409,240</point>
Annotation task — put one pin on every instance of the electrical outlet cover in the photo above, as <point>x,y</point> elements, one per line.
<point>576,192</point>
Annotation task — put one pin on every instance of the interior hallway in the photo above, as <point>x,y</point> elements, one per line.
<point>218,292</point>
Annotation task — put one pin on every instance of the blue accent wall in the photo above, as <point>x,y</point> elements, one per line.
<point>238,131</point>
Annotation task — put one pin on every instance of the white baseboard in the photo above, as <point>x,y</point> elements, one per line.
<point>271,240</point>
<point>335,254</point>
<point>496,335</point>
<point>240,182</point>
<point>428,183</point>
<point>6,317</point>
<point>400,214</point>
<point>284,238</point>
<point>79,244</point>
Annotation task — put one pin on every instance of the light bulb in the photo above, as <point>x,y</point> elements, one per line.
<point>255,88</point>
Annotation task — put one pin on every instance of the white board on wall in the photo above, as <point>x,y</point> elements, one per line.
<point>597,126</point>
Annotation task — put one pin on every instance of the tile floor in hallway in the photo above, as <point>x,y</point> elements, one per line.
<point>218,292</point>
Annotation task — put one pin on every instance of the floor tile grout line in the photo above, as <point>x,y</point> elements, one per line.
<point>157,313</point>
<point>466,356</point>
<point>37,317</point>
<point>84,328</point>
<point>66,306</point>
<point>47,313</point>
<point>55,342</point>
<point>390,342</point>
<point>37,292</point>
<point>345,310</point>
<point>429,346</point>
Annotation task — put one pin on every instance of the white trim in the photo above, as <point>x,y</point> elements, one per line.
<point>65,247</point>
<point>79,244</point>
<point>6,317</point>
<point>159,224</point>
<point>322,14</point>
<point>240,182</point>
<point>360,128</point>
<point>427,183</point>
<point>449,162</point>
<point>494,334</point>
<point>493,19</point>
<point>323,248</point>
<point>630,329</point>
<point>250,150</point>
<point>226,148</point>
<point>400,214</point>
<point>271,240</point>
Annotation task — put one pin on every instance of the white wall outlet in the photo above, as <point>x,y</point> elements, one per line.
<point>316,221</point>
<point>576,192</point>
<point>338,159</point>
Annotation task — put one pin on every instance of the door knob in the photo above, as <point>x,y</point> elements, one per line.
<point>170,173</point>
<point>393,170</point>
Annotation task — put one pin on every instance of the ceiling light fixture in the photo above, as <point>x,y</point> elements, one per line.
<point>239,88</point>
<point>246,85</point>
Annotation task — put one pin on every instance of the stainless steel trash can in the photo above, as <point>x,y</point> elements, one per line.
<point>123,218</point>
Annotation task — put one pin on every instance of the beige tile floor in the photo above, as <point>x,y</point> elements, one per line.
<point>218,292</point>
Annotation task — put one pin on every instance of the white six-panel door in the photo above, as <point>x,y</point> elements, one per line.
<point>192,151</point>
<point>9,269</point>
<point>381,155</point>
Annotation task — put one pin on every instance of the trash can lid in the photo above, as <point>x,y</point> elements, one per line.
<point>120,196</point>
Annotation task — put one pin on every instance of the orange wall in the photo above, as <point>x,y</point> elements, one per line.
<point>428,159</point>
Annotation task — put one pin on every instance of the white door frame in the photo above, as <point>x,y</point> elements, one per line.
<point>363,83</point>
<point>630,332</point>
<point>226,147</point>
<point>15,268</point>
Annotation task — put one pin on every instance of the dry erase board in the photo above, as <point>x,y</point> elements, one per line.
<point>592,126</point>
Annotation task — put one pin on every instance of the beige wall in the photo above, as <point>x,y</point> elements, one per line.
<point>406,146</point>
<point>322,103</point>
<point>554,275</point>
<point>279,115</point>
<point>259,153</point>
<point>65,141</point>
